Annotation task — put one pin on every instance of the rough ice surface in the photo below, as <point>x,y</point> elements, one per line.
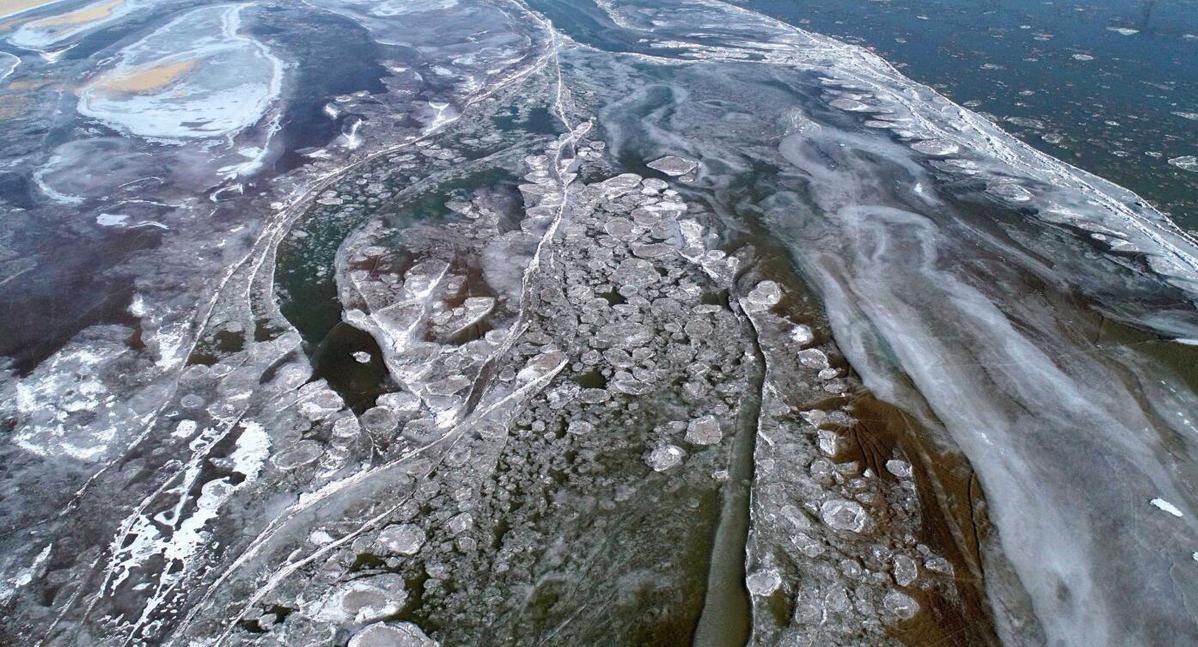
<point>703,431</point>
<point>1185,162</point>
<point>665,457</point>
<point>403,353</point>
<point>383,634</point>
<point>673,165</point>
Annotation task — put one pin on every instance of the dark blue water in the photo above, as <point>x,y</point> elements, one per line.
<point>1112,112</point>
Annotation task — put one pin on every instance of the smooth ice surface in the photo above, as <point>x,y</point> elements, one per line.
<point>197,76</point>
<point>52,30</point>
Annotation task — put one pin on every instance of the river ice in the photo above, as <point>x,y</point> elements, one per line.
<point>636,322</point>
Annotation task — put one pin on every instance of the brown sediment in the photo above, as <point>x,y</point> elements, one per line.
<point>144,79</point>
<point>14,7</point>
<point>954,521</point>
<point>80,16</point>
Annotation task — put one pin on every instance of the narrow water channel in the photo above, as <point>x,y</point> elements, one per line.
<point>727,617</point>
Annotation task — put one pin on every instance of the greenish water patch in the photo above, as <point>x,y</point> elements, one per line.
<point>338,360</point>
<point>306,271</point>
<point>538,121</point>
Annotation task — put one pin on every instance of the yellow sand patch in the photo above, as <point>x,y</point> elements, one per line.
<point>13,7</point>
<point>79,16</point>
<point>144,79</point>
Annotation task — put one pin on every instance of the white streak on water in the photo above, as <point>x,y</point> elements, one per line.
<point>8,64</point>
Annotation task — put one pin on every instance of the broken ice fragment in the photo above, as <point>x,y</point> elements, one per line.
<point>802,335</point>
<point>665,457</point>
<point>763,582</point>
<point>1185,163</point>
<point>673,165</point>
<point>936,147</point>
<point>766,295</point>
<point>402,539</point>
<point>461,522</point>
<point>298,455</point>
<point>399,634</point>
<point>901,469</point>
<point>703,431</point>
<point>1167,507</point>
<point>900,604</point>
<point>905,570</point>
<point>844,515</point>
<point>579,428</point>
<point>828,441</point>
<point>620,184</point>
<point>365,600</point>
<point>379,420</point>
<point>813,358</point>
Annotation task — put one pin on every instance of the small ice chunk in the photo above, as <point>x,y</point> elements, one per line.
<point>842,514</point>
<point>366,600</point>
<point>764,296</point>
<point>402,539</point>
<point>900,604</point>
<point>362,357</point>
<point>1167,507</point>
<point>802,335</point>
<point>665,457</point>
<point>1185,163</point>
<point>828,441</point>
<point>906,570</point>
<point>704,431</point>
<point>460,523</point>
<point>673,165</point>
<point>813,358</point>
<point>763,582</point>
<point>379,420</point>
<point>620,184</point>
<point>901,469</point>
<point>936,147</point>
<point>579,428</point>
<point>112,220</point>
<point>346,427</point>
<point>398,634</point>
<point>298,455</point>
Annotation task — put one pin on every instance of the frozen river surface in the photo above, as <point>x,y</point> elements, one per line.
<point>616,322</point>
